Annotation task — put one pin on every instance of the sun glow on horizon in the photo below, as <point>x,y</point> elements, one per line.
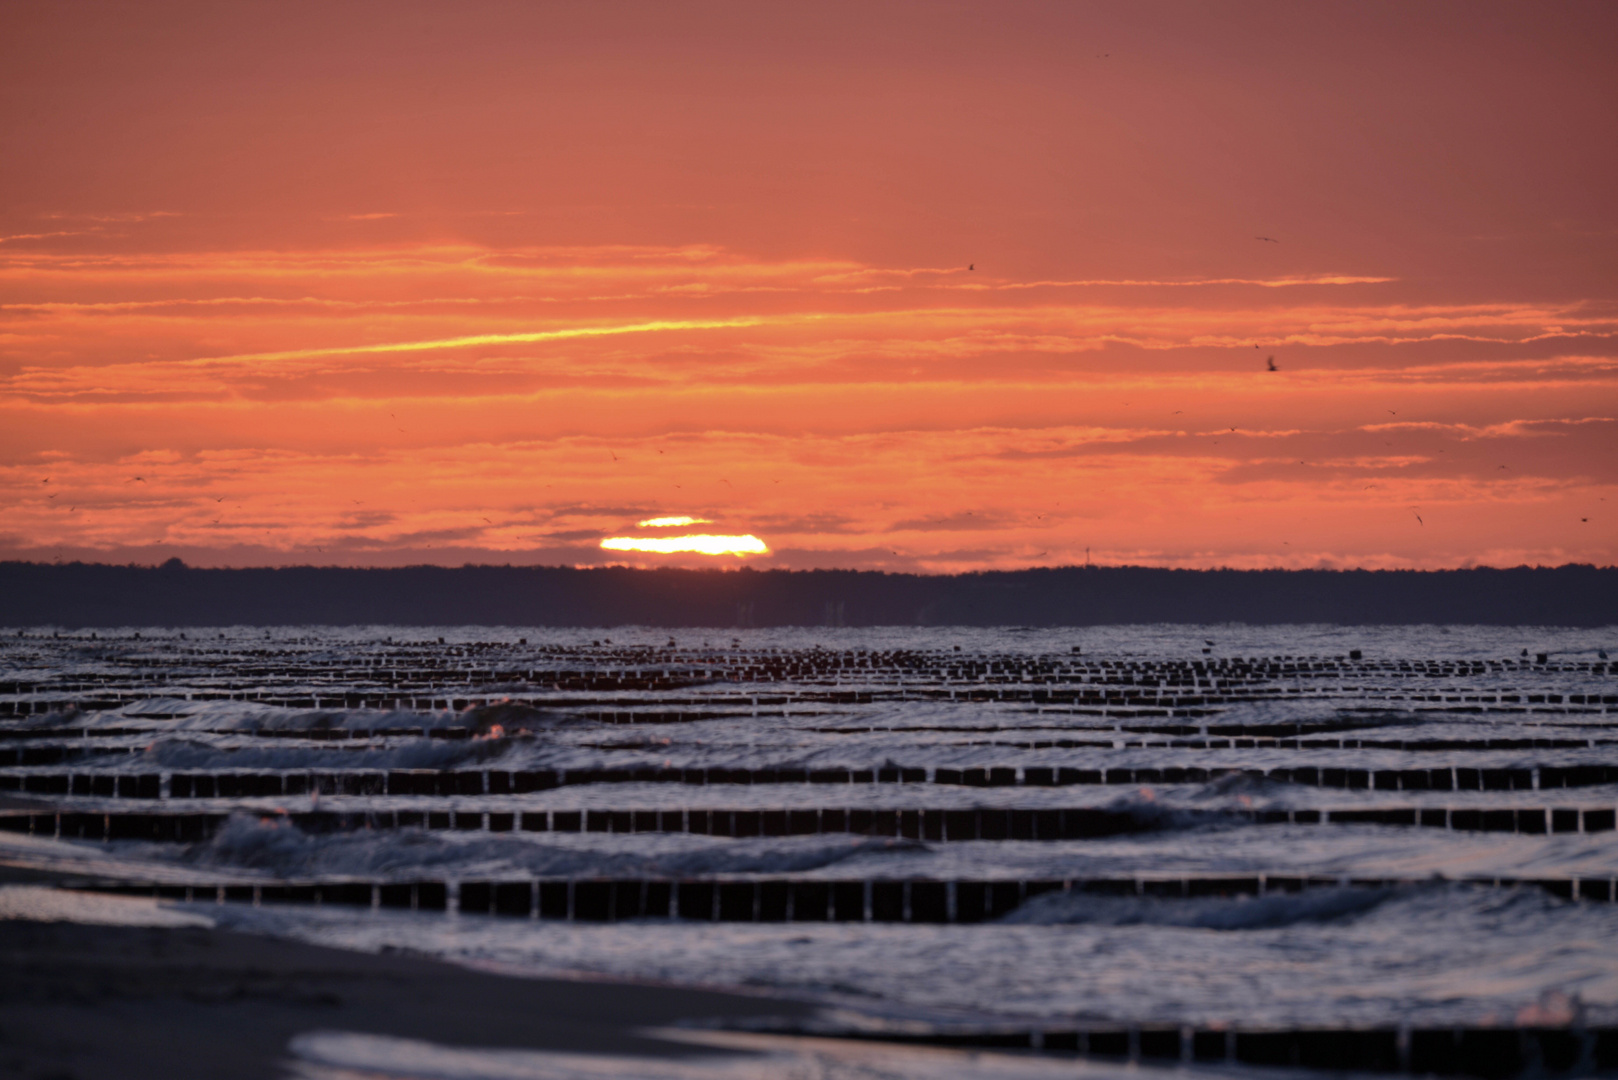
<point>672,522</point>
<point>702,544</point>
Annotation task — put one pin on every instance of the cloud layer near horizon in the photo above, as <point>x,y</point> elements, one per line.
<point>195,362</point>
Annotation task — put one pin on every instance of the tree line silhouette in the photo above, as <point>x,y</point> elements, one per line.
<point>88,594</point>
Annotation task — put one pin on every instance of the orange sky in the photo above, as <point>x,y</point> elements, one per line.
<point>395,283</point>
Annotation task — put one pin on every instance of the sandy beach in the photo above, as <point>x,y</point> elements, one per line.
<point>133,1002</point>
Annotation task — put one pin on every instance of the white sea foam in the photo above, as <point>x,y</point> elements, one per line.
<point>341,1055</point>
<point>36,903</point>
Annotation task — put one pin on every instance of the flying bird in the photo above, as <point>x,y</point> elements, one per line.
<point>971,266</point>
<point>614,456</point>
<point>1266,239</point>
<point>1271,362</point>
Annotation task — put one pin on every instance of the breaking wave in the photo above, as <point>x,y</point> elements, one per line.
<point>277,847</point>
<point>1238,913</point>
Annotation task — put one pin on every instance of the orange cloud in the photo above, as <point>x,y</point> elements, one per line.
<point>345,420</point>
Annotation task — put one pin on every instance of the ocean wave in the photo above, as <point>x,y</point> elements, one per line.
<point>276,846</point>
<point>178,753</point>
<point>1232,787</point>
<point>1145,812</point>
<point>516,716</point>
<point>780,858</point>
<point>1238,913</point>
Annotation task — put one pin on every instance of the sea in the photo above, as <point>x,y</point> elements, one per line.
<point>1062,841</point>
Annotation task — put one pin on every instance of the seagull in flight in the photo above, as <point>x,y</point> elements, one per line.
<point>1266,239</point>
<point>1271,362</point>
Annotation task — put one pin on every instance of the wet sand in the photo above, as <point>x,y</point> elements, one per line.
<point>128,1003</point>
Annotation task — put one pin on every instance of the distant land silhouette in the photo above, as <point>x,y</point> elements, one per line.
<point>94,595</point>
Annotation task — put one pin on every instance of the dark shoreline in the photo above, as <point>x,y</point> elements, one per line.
<point>174,595</point>
<point>132,1003</point>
